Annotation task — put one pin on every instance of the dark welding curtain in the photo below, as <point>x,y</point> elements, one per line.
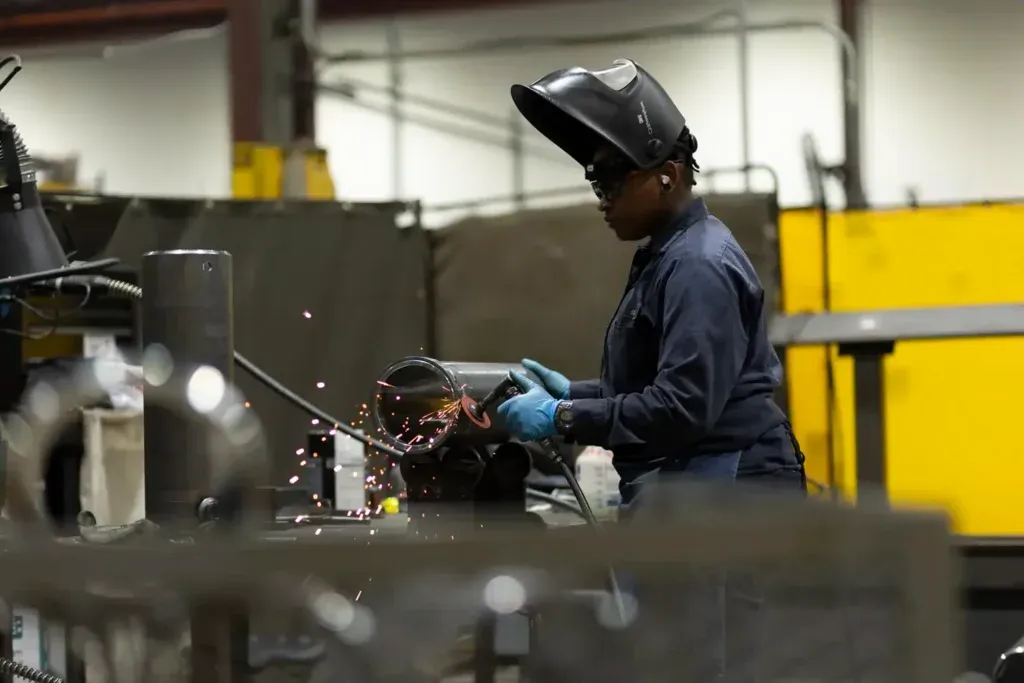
<point>544,283</point>
<point>358,276</point>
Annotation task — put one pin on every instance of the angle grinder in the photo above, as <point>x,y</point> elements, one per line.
<point>508,388</point>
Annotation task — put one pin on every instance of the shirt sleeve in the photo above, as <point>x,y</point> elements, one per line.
<point>588,388</point>
<point>703,347</point>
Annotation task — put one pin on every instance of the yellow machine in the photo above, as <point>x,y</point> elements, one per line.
<point>57,175</point>
<point>269,172</point>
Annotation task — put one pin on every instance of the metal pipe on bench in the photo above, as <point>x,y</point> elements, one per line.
<point>187,318</point>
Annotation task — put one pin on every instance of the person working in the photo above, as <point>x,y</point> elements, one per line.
<point>688,373</point>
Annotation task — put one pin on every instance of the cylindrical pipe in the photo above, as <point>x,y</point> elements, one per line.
<point>188,311</point>
<point>850,15</point>
<point>743,43</point>
<point>397,109</point>
<point>418,407</point>
<point>516,139</point>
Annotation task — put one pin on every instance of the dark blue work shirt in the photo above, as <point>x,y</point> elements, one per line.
<point>687,368</point>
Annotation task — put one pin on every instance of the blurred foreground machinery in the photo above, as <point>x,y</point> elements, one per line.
<point>845,595</point>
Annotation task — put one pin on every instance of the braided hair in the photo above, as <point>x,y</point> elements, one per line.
<point>682,152</point>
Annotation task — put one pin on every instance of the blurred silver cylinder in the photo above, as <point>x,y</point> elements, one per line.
<point>187,321</point>
<point>200,398</point>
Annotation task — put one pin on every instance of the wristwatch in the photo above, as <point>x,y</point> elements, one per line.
<point>564,418</point>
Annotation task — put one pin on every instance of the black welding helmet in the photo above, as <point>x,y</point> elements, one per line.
<point>581,110</point>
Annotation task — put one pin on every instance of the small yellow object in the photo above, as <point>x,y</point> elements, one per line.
<point>390,505</point>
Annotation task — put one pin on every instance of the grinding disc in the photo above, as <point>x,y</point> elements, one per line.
<point>468,405</point>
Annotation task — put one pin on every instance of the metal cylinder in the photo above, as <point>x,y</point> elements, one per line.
<point>187,317</point>
<point>418,407</point>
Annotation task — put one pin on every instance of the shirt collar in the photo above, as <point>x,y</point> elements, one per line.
<point>694,212</point>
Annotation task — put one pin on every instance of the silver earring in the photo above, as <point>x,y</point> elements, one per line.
<point>664,182</point>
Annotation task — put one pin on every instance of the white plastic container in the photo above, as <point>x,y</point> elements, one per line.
<point>349,473</point>
<point>599,480</point>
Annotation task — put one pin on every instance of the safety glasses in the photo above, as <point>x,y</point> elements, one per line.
<point>608,177</point>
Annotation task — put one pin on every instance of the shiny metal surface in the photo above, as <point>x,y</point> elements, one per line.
<point>418,403</point>
<point>187,314</point>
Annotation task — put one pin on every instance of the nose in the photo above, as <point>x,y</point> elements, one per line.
<point>602,205</point>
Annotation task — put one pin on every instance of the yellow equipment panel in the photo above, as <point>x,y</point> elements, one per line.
<point>951,406</point>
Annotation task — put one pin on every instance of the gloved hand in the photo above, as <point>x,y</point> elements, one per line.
<point>530,416</point>
<point>556,383</point>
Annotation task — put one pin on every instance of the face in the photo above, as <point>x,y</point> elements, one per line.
<point>631,200</point>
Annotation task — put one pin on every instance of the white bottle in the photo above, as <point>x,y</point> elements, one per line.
<point>599,480</point>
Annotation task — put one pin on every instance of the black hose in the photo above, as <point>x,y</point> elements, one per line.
<point>11,668</point>
<point>71,271</point>
<point>585,510</point>
<point>289,395</point>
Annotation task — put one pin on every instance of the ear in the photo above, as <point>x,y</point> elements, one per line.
<point>670,176</point>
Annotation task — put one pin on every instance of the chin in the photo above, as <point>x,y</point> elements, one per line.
<point>624,234</point>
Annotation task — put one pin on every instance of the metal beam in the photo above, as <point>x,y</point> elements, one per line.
<point>49,22</point>
<point>850,14</point>
<point>908,324</point>
<point>96,12</point>
<point>261,59</point>
<point>303,72</point>
<point>20,33</point>
<point>354,9</point>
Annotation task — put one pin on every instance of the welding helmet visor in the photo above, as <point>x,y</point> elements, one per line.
<point>581,111</point>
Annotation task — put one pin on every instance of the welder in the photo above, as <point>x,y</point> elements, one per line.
<point>688,373</point>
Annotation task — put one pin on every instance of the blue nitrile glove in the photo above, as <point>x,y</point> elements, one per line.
<point>556,383</point>
<point>529,416</point>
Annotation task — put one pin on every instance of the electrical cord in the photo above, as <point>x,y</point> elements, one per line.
<point>54,317</point>
<point>75,270</point>
<point>266,380</point>
<point>12,668</point>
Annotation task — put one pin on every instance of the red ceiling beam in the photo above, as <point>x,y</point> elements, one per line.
<point>111,12</point>
<point>55,22</point>
<point>355,9</point>
<point>107,21</point>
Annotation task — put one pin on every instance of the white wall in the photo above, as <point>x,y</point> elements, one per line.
<point>942,98</point>
<point>150,120</point>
